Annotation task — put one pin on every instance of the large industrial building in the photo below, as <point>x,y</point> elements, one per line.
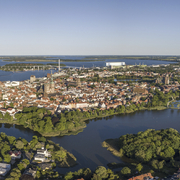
<point>115,64</point>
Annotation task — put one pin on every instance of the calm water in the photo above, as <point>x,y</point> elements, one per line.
<point>86,146</point>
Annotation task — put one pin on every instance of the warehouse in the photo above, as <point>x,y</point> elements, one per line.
<point>115,64</point>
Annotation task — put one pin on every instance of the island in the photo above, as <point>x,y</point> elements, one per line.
<point>151,151</point>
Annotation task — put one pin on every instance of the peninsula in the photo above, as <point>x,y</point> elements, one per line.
<point>60,103</point>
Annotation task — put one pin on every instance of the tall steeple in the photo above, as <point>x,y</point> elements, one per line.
<point>51,77</point>
<point>52,83</point>
<point>59,65</point>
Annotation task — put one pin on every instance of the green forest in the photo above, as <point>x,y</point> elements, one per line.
<point>160,149</point>
<point>154,151</point>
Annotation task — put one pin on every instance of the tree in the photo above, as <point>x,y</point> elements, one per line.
<point>101,172</point>
<point>48,125</point>
<point>68,176</point>
<point>60,126</point>
<point>8,116</point>
<point>42,139</point>
<point>33,142</point>
<point>157,164</point>
<point>168,153</point>
<point>140,155</point>
<point>19,144</point>
<point>139,167</point>
<point>1,115</point>
<point>87,173</point>
<point>178,106</point>
<point>11,139</point>
<point>126,171</point>
<point>21,166</point>
<point>7,158</point>
<point>11,105</point>
<point>26,161</point>
<point>60,154</point>
<point>24,141</point>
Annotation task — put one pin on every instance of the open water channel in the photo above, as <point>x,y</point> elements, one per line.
<point>86,146</point>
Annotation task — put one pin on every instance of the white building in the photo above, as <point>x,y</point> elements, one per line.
<point>44,152</point>
<point>115,64</point>
<point>39,157</point>
<point>11,83</point>
<point>4,168</point>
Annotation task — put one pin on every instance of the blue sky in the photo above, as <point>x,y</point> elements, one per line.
<point>89,27</point>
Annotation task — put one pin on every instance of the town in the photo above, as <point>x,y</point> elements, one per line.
<point>86,89</point>
<point>82,90</point>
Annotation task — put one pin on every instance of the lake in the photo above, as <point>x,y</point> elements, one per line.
<point>86,146</point>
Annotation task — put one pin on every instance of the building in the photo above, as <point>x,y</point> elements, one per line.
<point>76,83</point>
<point>30,172</point>
<point>44,152</point>
<point>158,80</point>
<point>4,168</point>
<point>42,155</point>
<point>15,154</point>
<point>139,90</point>
<point>146,176</point>
<point>32,78</point>
<point>49,87</point>
<point>11,83</point>
<point>115,64</point>
<point>166,79</point>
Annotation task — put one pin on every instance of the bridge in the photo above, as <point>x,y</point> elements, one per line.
<point>30,67</point>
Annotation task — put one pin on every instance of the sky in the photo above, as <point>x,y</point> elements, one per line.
<point>89,27</point>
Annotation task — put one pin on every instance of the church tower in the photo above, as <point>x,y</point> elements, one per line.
<point>78,82</point>
<point>52,84</point>
<point>166,79</point>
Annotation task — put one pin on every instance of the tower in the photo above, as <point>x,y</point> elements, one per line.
<point>78,82</point>
<point>46,88</point>
<point>166,79</point>
<point>59,65</point>
<point>32,78</point>
<point>49,87</point>
<point>51,84</point>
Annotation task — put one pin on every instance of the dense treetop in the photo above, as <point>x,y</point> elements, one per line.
<point>144,146</point>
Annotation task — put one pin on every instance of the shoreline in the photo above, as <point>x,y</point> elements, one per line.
<point>79,129</point>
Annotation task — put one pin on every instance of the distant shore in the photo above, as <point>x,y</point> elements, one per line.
<point>49,60</point>
<point>87,58</point>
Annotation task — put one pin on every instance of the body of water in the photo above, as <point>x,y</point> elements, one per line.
<point>86,146</point>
